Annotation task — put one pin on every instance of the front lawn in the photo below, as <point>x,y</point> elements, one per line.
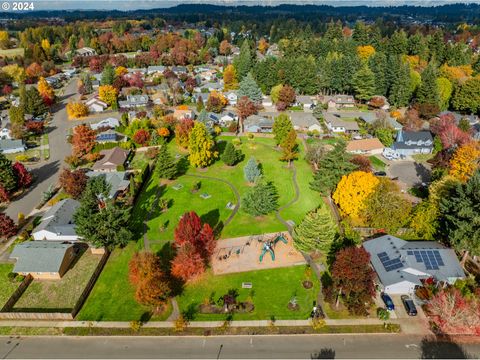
<point>377,164</point>
<point>7,286</point>
<point>271,292</point>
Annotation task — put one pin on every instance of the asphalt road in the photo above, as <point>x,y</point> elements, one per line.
<point>294,346</point>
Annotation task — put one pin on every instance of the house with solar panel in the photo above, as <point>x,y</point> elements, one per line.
<point>401,265</point>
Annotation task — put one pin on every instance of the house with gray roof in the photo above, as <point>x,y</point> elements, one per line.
<point>413,142</point>
<point>371,117</point>
<point>118,181</point>
<point>337,125</point>
<point>258,124</point>
<point>11,146</point>
<point>134,101</point>
<point>45,260</point>
<point>304,121</point>
<point>57,223</point>
<point>402,265</point>
<point>155,69</point>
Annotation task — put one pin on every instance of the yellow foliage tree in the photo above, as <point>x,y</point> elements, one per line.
<point>364,52</point>
<point>230,80</point>
<point>352,190</point>
<point>456,73</point>
<point>263,46</point>
<point>46,45</point>
<point>108,94</point>
<point>4,40</point>
<point>465,161</point>
<point>121,70</point>
<point>45,89</point>
<point>16,72</point>
<point>201,146</point>
<point>76,110</point>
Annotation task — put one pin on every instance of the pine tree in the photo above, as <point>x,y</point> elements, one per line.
<point>316,231</point>
<point>166,167</point>
<point>7,175</point>
<point>244,61</point>
<point>400,91</point>
<point>331,168</point>
<point>427,92</point>
<point>249,88</point>
<point>261,199</point>
<point>252,171</point>
<point>281,128</point>
<point>35,104</point>
<point>87,83</point>
<point>230,155</point>
<point>108,75</point>
<point>378,64</point>
<point>364,83</point>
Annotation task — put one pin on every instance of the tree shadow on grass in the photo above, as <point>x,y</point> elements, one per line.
<point>212,218</point>
<point>146,208</point>
<point>338,244</point>
<point>166,255</point>
<point>182,166</point>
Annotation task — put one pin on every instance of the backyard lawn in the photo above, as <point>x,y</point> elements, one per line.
<point>7,286</point>
<point>63,294</point>
<point>271,292</point>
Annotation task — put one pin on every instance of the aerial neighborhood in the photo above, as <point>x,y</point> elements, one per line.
<point>167,169</point>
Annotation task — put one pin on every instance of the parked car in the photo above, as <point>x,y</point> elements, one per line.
<point>380,173</point>
<point>409,305</point>
<point>388,301</point>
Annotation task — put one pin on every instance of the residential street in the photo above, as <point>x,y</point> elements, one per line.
<point>301,346</point>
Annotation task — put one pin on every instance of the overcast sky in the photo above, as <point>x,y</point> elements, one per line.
<point>148,4</point>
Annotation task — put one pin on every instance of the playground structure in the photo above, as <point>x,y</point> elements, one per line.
<point>242,254</point>
<point>269,246</point>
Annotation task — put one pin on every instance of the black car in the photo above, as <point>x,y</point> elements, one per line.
<point>388,301</point>
<point>380,173</point>
<point>409,305</point>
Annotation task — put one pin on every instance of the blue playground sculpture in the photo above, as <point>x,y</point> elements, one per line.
<point>269,246</point>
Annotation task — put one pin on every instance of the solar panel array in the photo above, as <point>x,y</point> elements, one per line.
<point>389,264</point>
<point>431,258</point>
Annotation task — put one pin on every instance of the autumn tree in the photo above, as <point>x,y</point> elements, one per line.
<point>23,176</point>
<point>34,103</point>
<point>77,110</point>
<point>4,195</point>
<point>165,167</point>
<point>34,70</point>
<point>289,147</point>
<point>275,93</point>
<point>108,94</point>
<point>363,163</point>
<point>83,140</point>
<point>141,137</point>
<point>364,52</point>
<point>449,133</point>
<point>282,126</point>
<point>465,161</point>
<point>261,199</point>
<point>216,102</point>
<point>230,81</point>
<point>187,264</point>
<point>46,91</point>
<point>263,46</point>
<point>352,191</point>
<point>316,231</point>
<point>7,226</point>
<point>182,132</point>
<point>73,182</point>
<point>225,48</point>
<point>286,97</point>
<point>245,108</point>
<point>201,146</point>
<point>353,279</point>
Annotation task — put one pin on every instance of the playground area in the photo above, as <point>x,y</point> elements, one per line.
<point>257,252</point>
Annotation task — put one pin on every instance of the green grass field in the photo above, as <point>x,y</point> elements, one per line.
<point>271,292</point>
<point>7,286</point>
<point>377,164</point>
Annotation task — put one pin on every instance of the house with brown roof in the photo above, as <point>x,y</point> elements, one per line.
<point>111,160</point>
<point>365,146</point>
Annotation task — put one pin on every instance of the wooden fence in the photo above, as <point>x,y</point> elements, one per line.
<point>7,314</point>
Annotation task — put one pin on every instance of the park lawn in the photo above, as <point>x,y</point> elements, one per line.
<point>112,298</point>
<point>61,294</point>
<point>326,141</point>
<point>377,164</point>
<point>272,290</point>
<point>7,286</point>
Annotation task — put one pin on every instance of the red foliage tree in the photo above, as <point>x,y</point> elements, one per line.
<point>377,102</point>
<point>119,83</point>
<point>95,65</point>
<point>141,137</point>
<point>73,182</point>
<point>353,278</point>
<point>4,195</point>
<point>448,132</point>
<point>452,313</point>
<point>135,80</point>
<point>35,127</point>
<point>187,264</point>
<point>190,84</point>
<point>24,178</point>
<point>245,108</point>
<point>286,96</point>
<point>83,140</point>
<point>7,90</point>
<point>362,162</point>
<point>7,226</point>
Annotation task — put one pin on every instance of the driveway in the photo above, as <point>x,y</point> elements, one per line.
<point>409,173</point>
<point>46,172</point>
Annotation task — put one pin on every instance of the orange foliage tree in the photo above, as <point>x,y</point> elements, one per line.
<point>45,90</point>
<point>465,161</point>
<point>352,191</point>
<point>263,46</point>
<point>216,102</point>
<point>83,140</point>
<point>163,132</point>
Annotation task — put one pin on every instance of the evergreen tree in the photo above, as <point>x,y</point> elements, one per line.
<point>34,103</point>
<point>230,155</point>
<point>166,167</point>
<point>427,92</point>
<point>266,73</point>
<point>16,115</point>
<point>316,231</point>
<point>249,88</point>
<point>252,171</point>
<point>261,199</point>
<point>289,147</point>
<point>400,91</point>
<point>331,167</point>
<point>244,61</point>
<point>87,83</point>
<point>7,176</point>
<point>281,128</point>
<point>364,83</point>
<point>108,75</point>
<point>378,64</point>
